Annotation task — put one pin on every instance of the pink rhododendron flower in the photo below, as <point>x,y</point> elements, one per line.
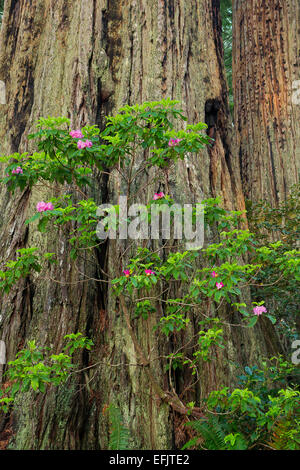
<point>49,206</point>
<point>219,285</point>
<point>214,274</point>
<point>83,145</point>
<point>17,170</point>
<point>126,272</point>
<point>158,196</point>
<point>44,206</point>
<point>148,272</point>
<point>41,206</point>
<point>258,310</point>
<point>76,134</point>
<point>174,142</point>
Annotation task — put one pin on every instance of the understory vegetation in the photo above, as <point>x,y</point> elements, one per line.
<point>245,256</point>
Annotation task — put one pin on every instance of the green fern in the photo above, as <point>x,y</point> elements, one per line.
<point>211,431</point>
<point>119,434</point>
<point>284,437</point>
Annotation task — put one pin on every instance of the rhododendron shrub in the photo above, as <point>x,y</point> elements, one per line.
<point>208,279</point>
<point>261,413</point>
<point>281,224</point>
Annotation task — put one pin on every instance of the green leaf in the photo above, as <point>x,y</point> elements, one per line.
<point>272,319</point>
<point>33,218</point>
<point>34,383</point>
<point>253,321</point>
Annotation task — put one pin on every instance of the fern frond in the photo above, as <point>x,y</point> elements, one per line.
<point>119,434</point>
<point>285,438</point>
<point>211,432</point>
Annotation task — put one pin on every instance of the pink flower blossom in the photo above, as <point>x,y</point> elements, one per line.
<point>126,272</point>
<point>17,170</point>
<point>214,274</point>
<point>44,206</point>
<point>76,134</point>
<point>41,206</point>
<point>174,142</point>
<point>219,285</point>
<point>158,196</point>
<point>49,206</point>
<point>83,145</point>
<point>258,310</point>
<point>148,272</point>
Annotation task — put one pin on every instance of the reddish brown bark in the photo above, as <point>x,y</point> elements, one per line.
<point>84,60</point>
<point>266,70</point>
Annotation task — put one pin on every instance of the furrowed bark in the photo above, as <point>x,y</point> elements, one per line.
<point>84,60</point>
<point>266,73</point>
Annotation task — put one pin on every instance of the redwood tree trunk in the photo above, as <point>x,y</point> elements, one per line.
<point>266,73</point>
<point>84,60</point>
